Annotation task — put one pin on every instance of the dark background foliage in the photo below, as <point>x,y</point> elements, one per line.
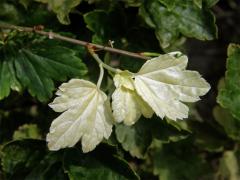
<point>204,146</point>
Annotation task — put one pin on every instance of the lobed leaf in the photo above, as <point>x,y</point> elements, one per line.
<point>86,116</point>
<point>137,138</point>
<point>171,19</point>
<point>164,84</point>
<point>36,67</point>
<point>161,85</point>
<point>127,105</point>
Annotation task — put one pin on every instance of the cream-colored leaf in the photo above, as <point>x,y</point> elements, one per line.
<point>163,83</point>
<point>124,79</point>
<point>163,62</point>
<point>145,109</point>
<point>86,116</point>
<point>127,105</point>
<point>158,102</point>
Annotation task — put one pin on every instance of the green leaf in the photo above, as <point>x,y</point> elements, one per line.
<point>198,3</point>
<point>229,96</point>
<point>122,27</point>
<point>205,3</point>
<point>209,3</point>
<point>36,66</point>
<point>62,8</point>
<point>177,161</point>
<point>27,131</point>
<point>27,12</point>
<point>230,125</point>
<point>25,3</point>
<point>229,166</point>
<point>169,4</point>
<point>106,25</point>
<point>207,137</point>
<point>171,19</point>
<point>168,132</point>
<point>136,138</point>
<point>96,21</point>
<point>50,167</point>
<point>9,13</point>
<point>8,79</point>
<point>28,159</point>
<point>19,157</point>
<point>103,163</point>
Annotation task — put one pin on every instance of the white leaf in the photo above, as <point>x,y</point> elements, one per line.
<point>127,104</point>
<point>86,116</point>
<point>163,83</point>
<point>125,107</point>
<point>163,62</point>
<point>124,79</point>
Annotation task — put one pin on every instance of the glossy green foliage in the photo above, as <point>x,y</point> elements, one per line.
<point>172,19</point>
<point>103,163</point>
<point>187,165</point>
<point>19,157</point>
<point>35,65</point>
<point>29,159</point>
<point>229,96</point>
<point>137,138</point>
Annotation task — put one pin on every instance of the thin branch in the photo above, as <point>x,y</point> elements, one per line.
<point>53,35</point>
<point>100,62</point>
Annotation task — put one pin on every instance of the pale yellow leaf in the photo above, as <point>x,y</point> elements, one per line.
<point>164,84</point>
<point>127,105</point>
<point>86,116</point>
<point>124,79</point>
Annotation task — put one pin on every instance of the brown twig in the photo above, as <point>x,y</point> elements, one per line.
<point>53,35</point>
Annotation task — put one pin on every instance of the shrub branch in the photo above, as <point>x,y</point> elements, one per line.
<point>52,35</point>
